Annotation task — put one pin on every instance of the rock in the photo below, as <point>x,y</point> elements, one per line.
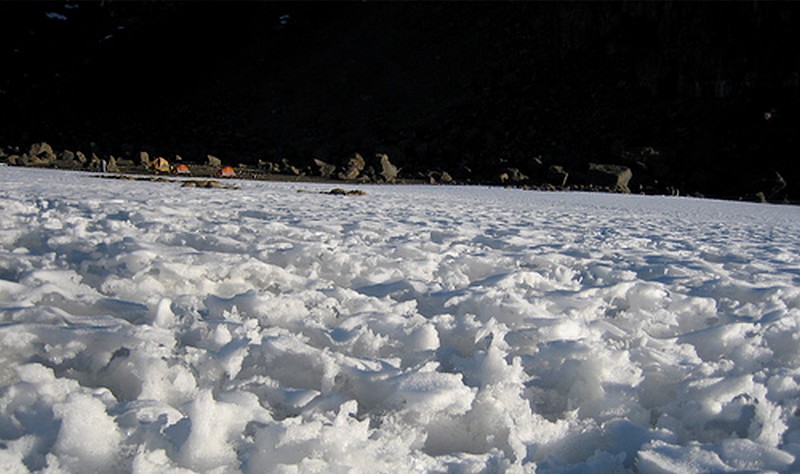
<point>439,177</point>
<point>214,161</point>
<point>512,176</point>
<point>388,171</point>
<point>66,160</point>
<point>111,165</point>
<point>774,185</point>
<point>647,159</point>
<point>288,168</point>
<point>557,175</point>
<point>125,163</point>
<point>325,170</point>
<point>95,164</point>
<point>42,152</point>
<point>144,159</point>
<point>81,158</point>
<point>15,160</point>
<point>615,177</point>
<point>354,166</point>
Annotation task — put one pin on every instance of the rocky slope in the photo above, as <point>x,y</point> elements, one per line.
<point>690,97</point>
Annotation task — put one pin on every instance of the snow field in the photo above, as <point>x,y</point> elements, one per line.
<point>146,327</point>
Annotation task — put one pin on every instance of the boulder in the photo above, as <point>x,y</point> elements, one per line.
<point>289,168</point>
<point>66,160</point>
<point>439,177</point>
<point>557,175</point>
<point>325,170</point>
<point>96,164</point>
<point>41,154</point>
<point>649,160</point>
<point>615,177</point>
<point>770,184</point>
<point>214,161</point>
<point>269,167</point>
<point>512,176</point>
<point>125,163</point>
<point>144,159</point>
<point>388,171</point>
<point>111,165</point>
<point>354,166</point>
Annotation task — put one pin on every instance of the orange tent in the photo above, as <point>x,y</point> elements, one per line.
<point>226,172</point>
<point>181,169</point>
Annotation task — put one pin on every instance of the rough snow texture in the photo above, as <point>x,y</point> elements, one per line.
<point>150,328</point>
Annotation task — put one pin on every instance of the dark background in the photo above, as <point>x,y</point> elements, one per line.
<point>700,96</point>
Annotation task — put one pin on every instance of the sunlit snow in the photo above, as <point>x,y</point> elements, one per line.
<point>146,327</point>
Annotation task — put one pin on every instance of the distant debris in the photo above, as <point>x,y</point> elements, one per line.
<point>207,183</point>
<point>195,183</point>
<point>337,192</point>
<point>345,192</point>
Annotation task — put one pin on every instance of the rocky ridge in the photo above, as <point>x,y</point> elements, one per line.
<point>692,98</point>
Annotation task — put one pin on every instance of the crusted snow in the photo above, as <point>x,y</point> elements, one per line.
<point>146,327</point>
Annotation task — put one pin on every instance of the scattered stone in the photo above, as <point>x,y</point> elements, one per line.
<point>214,161</point>
<point>111,165</point>
<point>439,177</point>
<point>125,163</point>
<point>144,159</point>
<point>775,184</point>
<point>615,177</point>
<point>388,171</point>
<point>512,176</point>
<point>557,175</point>
<point>354,166</point>
<point>42,153</point>
<point>325,170</point>
<point>289,168</point>
<point>66,160</point>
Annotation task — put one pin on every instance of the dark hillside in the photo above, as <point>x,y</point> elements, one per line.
<point>700,97</point>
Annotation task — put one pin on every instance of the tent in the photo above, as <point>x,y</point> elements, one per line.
<point>181,169</point>
<point>160,164</point>
<point>226,172</point>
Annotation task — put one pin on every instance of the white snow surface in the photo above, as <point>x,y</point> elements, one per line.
<point>150,328</point>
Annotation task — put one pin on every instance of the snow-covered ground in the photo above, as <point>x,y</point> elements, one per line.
<point>146,327</point>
